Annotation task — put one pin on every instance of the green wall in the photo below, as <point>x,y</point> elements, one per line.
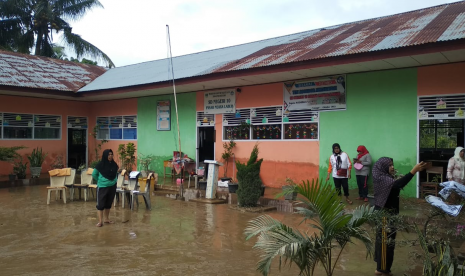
<point>162,143</point>
<point>381,114</point>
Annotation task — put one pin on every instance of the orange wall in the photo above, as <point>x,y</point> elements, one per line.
<point>298,160</point>
<point>64,108</point>
<point>41,106</point>
<point>109,108</point>
<point>441,79</point>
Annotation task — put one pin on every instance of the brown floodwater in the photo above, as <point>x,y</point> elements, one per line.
<point>175,238</point>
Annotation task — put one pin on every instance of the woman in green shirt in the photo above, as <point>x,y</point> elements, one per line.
<point>106,175</point>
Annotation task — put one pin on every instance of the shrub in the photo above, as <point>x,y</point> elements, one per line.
<point>250,184</point>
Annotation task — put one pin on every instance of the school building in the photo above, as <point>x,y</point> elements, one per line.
<point>393,84</point>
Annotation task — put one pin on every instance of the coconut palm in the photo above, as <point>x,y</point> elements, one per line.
<point>25,24</point>
<point>334,230</point>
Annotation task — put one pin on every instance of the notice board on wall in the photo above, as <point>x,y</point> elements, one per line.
<point>164,115</point>
<point>319,94</point>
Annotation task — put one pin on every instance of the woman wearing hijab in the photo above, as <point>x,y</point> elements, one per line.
<point>456,167</point>
<point>387,190</point>
<point>362,170</point>
<point>340,165</point>
<point>106,174</point>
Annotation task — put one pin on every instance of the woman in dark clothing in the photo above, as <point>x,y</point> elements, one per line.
<point>387,190</point>
<point>106,174</point>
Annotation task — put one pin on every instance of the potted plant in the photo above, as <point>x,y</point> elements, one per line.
<point>226,156</point>
<point>290,186</point>
<point>20,169</point>
<point>126,154</point>
<point>36,160</point>
<point>9,154</point>
<point>144,162</point>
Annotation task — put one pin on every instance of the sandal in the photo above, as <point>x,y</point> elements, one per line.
<point>99,224</point>
<point>348,201</point>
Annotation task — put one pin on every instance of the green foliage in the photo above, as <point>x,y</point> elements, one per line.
<point>28,24</point>
<point>19,168</point>
<point>438,259</point>
<point>248,176</point>
<point>9,154</point>
<point>227,154</point>
<point>37,157</point>
<point>83,61</point>
<point>126,154</point>
<point>145,161</point>
<point>58,163</point>
<point>93,164</point>
<point>98,145</point>
<point>323,210</point>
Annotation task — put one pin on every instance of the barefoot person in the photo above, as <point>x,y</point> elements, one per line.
<point>106,174</point>
<point>339,166</point>
<point>387,190</point>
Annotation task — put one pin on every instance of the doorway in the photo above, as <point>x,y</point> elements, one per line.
<point>77,142</point>
<point>206,143</point>
<point>206,138</point>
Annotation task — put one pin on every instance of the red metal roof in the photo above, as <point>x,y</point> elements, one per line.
<point>440,23</point>
<point>23,70</point>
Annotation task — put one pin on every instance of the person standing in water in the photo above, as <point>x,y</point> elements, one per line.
<point>340,165</point>
<point>106,175</point>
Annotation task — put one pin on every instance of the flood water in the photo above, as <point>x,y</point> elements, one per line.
<point>175,238</point>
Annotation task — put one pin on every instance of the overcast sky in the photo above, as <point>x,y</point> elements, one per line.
<point>131,32</point>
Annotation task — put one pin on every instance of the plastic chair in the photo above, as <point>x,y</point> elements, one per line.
<point>144,191</point>
<point>120,189</point>
<point>57,184</point>
<point>86,180</point>
<point>91,187</point>
<point>133,179</point>
<point>69,183</point>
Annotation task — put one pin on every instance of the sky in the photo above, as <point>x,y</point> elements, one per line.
<point>131,32</point>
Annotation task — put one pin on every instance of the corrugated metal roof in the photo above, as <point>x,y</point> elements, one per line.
<point>45,73</point>
<point>440,23</point>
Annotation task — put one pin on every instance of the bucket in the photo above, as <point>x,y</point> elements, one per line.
<point>179,181</point>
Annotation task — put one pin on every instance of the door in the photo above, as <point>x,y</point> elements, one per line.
<point>206,143</point>
<point>77,141</point>
<point>76,147</point>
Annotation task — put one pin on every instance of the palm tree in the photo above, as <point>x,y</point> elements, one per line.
<point>335,230</point>
<point>25,24</point>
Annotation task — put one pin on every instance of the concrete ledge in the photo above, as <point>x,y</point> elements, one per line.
<point>209,201</point>
<point>258,209</point>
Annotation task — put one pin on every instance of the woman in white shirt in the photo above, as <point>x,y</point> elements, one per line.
<point>339,166</point>
<point>456,166</point>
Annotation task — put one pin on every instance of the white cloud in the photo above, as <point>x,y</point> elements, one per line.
<point>134,31</point>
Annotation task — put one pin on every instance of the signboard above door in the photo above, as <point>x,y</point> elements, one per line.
<point>219,102</point>
<point>319,94</point>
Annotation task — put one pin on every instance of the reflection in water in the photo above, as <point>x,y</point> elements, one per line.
<point>175,238</point>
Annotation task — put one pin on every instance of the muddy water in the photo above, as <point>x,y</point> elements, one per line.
<point>175,238</point>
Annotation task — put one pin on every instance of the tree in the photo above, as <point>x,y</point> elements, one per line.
<point>250,183</point>
<point>25,24</point>
<point>335,230</point>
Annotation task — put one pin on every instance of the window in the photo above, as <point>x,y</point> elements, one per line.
<point>301,124</point>
<point>440,134</point>
<point>29,126</point>
<point>266,123</point>
<point>269,123</point>
<point>117,128</point>
<point>236,126</point>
